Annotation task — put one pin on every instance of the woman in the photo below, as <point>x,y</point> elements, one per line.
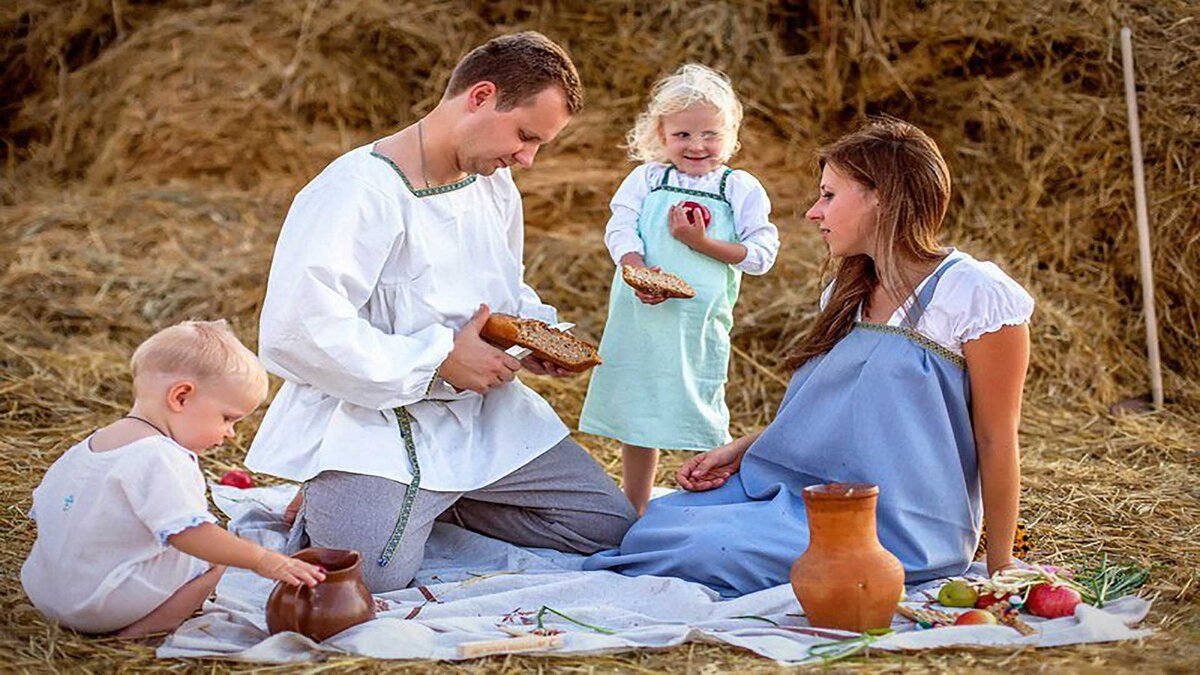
<point>910,378</point>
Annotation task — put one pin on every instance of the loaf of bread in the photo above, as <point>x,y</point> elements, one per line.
<point>562,349</point>
<point>659,284</point>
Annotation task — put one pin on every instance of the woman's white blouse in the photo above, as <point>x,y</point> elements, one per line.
<point>369,284</point>
<point>972,299</point>
<point>751,212</point>
<point>101,559</point>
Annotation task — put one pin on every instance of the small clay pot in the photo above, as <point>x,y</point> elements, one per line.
<point>846,579</point>
<point>330,607</point>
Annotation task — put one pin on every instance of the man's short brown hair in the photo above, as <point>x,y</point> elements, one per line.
<point>521,66</point>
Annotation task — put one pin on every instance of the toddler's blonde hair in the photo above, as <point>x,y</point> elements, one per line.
<point>205,350</point>
<point>692,83</point>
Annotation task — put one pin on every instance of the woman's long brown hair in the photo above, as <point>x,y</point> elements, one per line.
<point>912,185</point>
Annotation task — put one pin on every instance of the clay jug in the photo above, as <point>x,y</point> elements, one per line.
<point>339,602</point>
<point>846,579</point>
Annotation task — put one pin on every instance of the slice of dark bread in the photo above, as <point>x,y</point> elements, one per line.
<point>660,284</point>
<point>562,349</point>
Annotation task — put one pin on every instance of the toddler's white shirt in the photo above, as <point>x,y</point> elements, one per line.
<point>101,559</point>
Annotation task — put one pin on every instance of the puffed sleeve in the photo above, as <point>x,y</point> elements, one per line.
<point>331,251</point>
<point>165,489</point>
<point>621,234</point>
<point>752,221</point>
<point>993,301</point>
<point>529,304</point>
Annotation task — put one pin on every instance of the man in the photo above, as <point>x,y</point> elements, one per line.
<point>394,412</point>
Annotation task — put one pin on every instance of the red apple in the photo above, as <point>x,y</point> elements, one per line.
<point>986,600</point>
<point>1052,602</point>
<point>238,479</point>
<point>976,617</point>
<point>704,212</point>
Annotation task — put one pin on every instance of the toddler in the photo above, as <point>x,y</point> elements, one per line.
<point>125,542</point>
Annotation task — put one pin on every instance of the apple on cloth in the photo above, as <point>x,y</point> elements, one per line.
<point>957,593</point>
<point>1052,601</point>
<point>976,617</point>
<point>237,478</point>
<point>985,600</point>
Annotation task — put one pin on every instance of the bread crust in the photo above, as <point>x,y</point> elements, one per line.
<point>560,348</point>
<point>500,330</point>
<point>658,284</point>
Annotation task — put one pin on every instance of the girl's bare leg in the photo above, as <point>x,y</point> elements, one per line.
<point>638,465</point>
<point>177,608</point>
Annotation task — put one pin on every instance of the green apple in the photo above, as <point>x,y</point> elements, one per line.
<point>957,593</point>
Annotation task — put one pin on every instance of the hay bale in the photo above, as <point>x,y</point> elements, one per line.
<point>1025,101</point>
<point>153,148</point>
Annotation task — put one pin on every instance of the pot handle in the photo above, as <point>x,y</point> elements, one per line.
<point>300,612</point>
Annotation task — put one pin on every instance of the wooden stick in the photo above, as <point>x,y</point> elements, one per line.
<point>934,617</point>
<point>1020,626</point>
<point>530,643</point>
<point>1143,221</point>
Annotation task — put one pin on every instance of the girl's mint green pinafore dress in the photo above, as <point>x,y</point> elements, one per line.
<point>662,383</point>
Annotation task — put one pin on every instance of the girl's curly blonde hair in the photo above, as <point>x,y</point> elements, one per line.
<point>692,83</point>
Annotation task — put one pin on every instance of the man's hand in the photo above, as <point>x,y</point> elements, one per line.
<point>473,363</point>
<point>539,367</point>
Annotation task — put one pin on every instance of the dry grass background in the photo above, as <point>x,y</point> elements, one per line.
<point>151,150</point>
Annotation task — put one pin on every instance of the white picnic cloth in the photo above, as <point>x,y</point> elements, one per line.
<point>469,584</point>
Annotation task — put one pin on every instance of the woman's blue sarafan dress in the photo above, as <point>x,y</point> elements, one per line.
<point>887,406</point>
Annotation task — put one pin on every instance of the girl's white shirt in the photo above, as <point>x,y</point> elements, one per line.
<point>101,559</point>
<point>751,212</point>
<point>972,299</point>
<point>368,286</point>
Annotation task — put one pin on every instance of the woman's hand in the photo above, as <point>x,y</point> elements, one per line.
<point>710,469</point>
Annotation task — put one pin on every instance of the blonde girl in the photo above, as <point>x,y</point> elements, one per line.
<point>682,210</point>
